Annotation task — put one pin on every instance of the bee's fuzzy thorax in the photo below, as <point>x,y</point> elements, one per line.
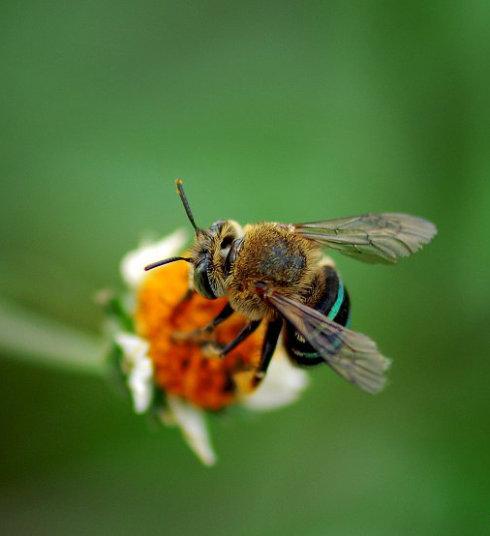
<point>271,253</point>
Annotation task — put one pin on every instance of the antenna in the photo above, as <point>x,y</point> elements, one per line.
<point>166,261</point>
<point>180,190</point>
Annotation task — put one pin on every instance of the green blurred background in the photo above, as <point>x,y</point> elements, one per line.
<point>287,111</point>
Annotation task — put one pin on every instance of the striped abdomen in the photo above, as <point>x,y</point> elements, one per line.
<point>333,302</point>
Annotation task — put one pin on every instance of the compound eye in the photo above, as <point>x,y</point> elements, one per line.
<point>201,281</point>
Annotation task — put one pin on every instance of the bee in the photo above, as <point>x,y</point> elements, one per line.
<point>276,273</point>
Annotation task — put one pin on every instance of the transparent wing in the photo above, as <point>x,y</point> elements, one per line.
<point>352,355</point>
<point>372,237</point>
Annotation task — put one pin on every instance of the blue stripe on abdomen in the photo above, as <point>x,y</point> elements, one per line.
<point>338,302</point>
<point>339,311</point>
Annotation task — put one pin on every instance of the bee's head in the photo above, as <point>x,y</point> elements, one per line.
<point>213,253</point>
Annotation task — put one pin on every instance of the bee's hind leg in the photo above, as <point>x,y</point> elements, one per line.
<point>269,345</point>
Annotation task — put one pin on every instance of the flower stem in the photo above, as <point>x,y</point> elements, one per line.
<point>33,338</point>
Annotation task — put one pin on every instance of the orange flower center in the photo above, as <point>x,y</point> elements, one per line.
<point>182,364</point>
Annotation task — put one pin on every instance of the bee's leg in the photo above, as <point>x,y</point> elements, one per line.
<point>244,333</point>
<point>187,295</point>
<point>225,313</point>
<point>184,300</point>
<point>201,335</point>
<point>270,342</point>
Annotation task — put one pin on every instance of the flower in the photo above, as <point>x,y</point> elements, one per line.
<point>175,376</point>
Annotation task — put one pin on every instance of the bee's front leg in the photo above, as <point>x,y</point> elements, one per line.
<point>201,335</point>
<point>225,313</point>
<point>187,295</point>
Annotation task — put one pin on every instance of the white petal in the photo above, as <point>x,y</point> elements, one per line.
<point>142,396</point>
<point>131,345</point>
<point>138,368</point>
<point>193,425</point>
<point>134,262</point>
<point>281,386</point>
